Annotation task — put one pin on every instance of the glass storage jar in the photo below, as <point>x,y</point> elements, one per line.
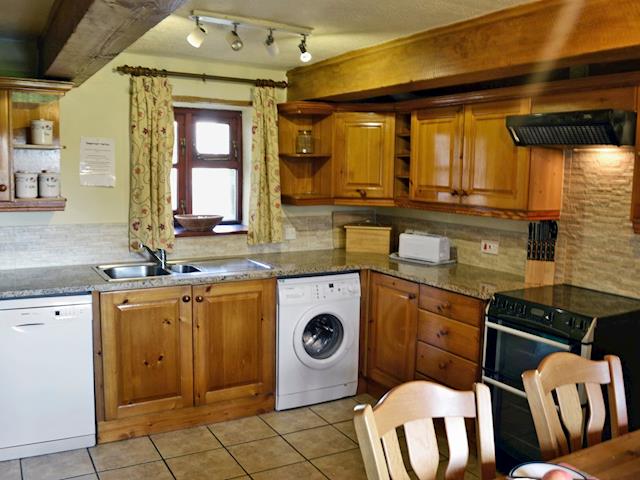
<point>304,142</point>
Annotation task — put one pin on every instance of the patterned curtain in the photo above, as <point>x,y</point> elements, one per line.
<point>265,211</point>
<point>150,213</point>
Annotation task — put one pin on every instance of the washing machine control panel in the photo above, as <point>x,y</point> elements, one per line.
<point>335,290</point>
<point>319,291</point>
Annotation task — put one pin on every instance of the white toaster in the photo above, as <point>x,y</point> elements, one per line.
<point>431,248</point>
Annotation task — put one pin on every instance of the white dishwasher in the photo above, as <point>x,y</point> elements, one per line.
<point>46,375</point>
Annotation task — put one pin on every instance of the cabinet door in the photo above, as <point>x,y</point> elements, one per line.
<point>495,171</point>
<point>363,155</point>
<point>392,330</point>
<point>5,138</point>
<point>234,340</point>
<point>147,351</point>
<point>436,148</point>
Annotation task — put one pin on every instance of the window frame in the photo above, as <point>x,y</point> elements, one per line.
<point>188,158</point>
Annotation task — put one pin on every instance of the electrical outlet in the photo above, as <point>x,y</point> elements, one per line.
<point>489,246</point>
<point>289,232</point>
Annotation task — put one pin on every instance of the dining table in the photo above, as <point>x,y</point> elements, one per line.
<point>615,459</point>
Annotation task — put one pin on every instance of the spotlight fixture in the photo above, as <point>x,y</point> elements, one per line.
<point>271,45</point>
<point>305,55</point>
<point>197,35</point>
<point>234,40</point>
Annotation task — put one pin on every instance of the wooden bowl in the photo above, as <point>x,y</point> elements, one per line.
<point>198,223</point>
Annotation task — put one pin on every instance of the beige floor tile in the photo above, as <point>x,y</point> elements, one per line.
<point>123,454</point>
<point>342,466</point>
<point>292,420</point>
<point>320,441</point>
<point>146,471</point>
<point>10,470</point>
<point>212,465</point>
<point>91,476</point>
<point>336,411</point>
<point>56,466</point>
<point>242,430</point>
<point>265,454</point>
<point>366,398</point>
<point>348,429</point>
<point>183,442</point>
<point>291,472</point>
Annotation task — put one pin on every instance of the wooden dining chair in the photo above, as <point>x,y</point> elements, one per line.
<point>414,405</point>
<point>558,377</point>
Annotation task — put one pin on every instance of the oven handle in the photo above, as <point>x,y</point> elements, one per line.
<point>528,336</point>
<point>504,386</point>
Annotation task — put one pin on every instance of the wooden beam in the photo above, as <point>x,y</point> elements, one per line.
<point>84,35</point>
<point>527,39</point>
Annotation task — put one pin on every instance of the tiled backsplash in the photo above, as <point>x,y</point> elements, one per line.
<point>596,245</point>
<point>53,245</point>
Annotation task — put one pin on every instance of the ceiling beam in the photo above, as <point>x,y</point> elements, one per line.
<point>84,35</point>
<point>527,39</point>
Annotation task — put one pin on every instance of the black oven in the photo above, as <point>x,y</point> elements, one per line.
<point>509,351</point>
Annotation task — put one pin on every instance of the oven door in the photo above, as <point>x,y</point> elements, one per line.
<point>508,352</point>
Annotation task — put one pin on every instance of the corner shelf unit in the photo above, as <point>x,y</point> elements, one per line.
<point>306,178</point>
<point>402,158</point>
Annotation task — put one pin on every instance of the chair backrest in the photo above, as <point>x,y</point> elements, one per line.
<point>414,405</point>
<point>559,375</point>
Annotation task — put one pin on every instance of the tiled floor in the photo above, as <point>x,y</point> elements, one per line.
<point>312,443</point>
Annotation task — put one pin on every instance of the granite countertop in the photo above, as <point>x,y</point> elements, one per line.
<point>466,279</point>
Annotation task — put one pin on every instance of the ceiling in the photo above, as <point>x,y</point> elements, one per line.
<point>24,18</point>
<point>339,26</point>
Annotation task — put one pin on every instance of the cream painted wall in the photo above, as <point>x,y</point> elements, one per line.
<point>100,108</point>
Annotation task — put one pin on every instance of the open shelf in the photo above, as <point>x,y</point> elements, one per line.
<point>403,134</point>
<point>305,155</point>
<point>29,146</point>
<point>34,204</point>
<point>307,199</point>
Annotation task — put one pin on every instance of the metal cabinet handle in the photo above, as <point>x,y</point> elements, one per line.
<point>443,306</point>
<point>362,192</point>
<point>442,333</point>
<point>199,298</point>
<point>454,192</point>
<point>186,299</point>
<point>3,188</point>
<point>411,296</point>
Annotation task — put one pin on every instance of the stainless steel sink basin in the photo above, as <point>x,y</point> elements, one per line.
<point>140,271</point>
<point>128,272</point>
<point>183,268</point>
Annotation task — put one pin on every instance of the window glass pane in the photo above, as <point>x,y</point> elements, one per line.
<point>175,143</point>
<point>213,192</point>
<point>174,189</point>
<point>212,138</point>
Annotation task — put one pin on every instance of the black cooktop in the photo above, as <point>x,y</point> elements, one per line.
<point>578,300</point>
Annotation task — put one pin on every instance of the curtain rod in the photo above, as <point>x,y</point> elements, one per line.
<point>153,72</point>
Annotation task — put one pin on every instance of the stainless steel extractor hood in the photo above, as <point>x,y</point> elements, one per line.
<point>590,127</point>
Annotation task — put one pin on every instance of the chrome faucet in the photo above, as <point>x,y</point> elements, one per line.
<point>160,256</point>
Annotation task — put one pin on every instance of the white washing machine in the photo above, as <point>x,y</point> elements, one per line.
<point>318,336</point>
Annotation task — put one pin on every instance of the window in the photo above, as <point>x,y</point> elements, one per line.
<point>206,177</point>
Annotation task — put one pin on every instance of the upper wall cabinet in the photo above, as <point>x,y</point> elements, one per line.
<point>463,157</point>
<point>22,102</point>
<point>363,156</point>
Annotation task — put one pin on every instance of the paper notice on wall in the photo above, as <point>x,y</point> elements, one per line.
<point>97,162</point>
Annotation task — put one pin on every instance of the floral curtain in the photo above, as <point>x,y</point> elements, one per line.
<point>265,210</point>
<point>150,212</point>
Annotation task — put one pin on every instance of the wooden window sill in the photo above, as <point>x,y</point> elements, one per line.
<point>218,230</point>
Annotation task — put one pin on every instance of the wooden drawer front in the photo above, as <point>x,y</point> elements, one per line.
<point>450,335</point>
<point>453,305</point>
<point>445,367</point>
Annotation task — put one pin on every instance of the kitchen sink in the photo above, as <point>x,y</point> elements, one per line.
<point>139,271</point>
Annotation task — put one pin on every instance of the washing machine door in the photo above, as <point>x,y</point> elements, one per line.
<point>321,338</point>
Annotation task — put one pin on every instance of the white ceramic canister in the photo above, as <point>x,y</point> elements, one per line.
<point>41,132</point>
<point>26,185</point>
<point>49,184</point>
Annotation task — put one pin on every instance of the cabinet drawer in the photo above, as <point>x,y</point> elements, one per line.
<point>453,305</point>
<point>445,367</point>
<point>450,335</point>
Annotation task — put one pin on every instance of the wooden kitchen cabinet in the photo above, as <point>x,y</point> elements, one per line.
<point>147,351</point>
<point>463,160</point>
<point>5,168</point>
<point>393,317</point>
<point>234,335</point>
<point>363,157</point>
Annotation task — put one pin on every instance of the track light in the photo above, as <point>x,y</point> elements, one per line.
<point>305,55</point>
<point>271,45</point>
<point>234,40</point>
<point>197,35</point>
